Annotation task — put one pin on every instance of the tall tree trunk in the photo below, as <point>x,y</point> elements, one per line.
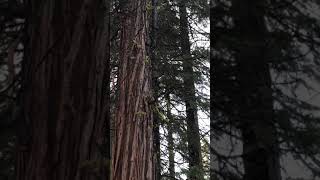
<point>155,86</point>
<point>260,152</point>
<point>212,86</point>
<point>170,139</point>
<point>193,136</point>
<point>64,92</point>
<point>133,146</point>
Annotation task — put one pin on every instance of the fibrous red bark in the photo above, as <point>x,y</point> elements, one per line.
<point>133,143</point>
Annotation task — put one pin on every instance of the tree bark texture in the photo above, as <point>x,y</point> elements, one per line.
<point>64,92</point>
<point>260,148</point>
<point>133,145</point>
<point>193,136</point>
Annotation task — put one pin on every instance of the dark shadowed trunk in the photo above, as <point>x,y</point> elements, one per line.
<point>170,138</point>
<point>260,153</point>
<point>65,92</point>
<point>193,136</point>
<point>212,85</point>
<point>133,145</point>
<point>155,87</point>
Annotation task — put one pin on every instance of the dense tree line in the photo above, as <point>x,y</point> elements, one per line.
<point>126,89</point>
<point>262,58</point>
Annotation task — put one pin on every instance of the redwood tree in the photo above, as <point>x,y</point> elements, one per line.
<point>64,100</point>
<point>132,148</point>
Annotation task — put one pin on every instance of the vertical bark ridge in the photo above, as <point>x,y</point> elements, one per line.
<point>132,154</point>
<point>62,91</point>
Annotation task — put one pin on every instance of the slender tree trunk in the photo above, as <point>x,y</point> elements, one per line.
<point>212,85</point>
<point>155,86</point>
<point>64,93</point>
<point>170,139</point>
<point>260,152</point>
<point>193,136</point>
<point>133,146</point>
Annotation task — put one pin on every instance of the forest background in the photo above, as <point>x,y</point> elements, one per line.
<point>197,89</point>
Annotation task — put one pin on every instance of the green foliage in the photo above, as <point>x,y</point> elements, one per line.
<point>140,114</point>
<point>169,61</point>
<point>147,60</point>
<point>149,6</point>
<point>194,172</point>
